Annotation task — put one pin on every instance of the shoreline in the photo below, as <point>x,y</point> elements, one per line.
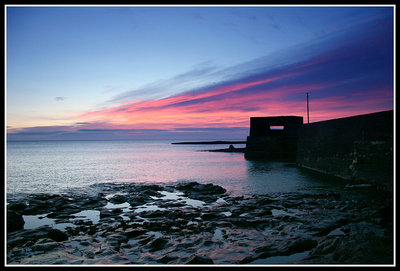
<point>192,223</point>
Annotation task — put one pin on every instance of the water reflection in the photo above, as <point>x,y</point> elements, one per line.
<point>35,221</point>
<point>77,164</point>
<point>278,176</point>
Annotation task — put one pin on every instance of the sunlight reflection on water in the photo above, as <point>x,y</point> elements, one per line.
<point>53,167</point>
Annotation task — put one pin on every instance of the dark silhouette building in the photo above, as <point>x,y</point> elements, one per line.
<point>357,149</point>
<point>273,137</point>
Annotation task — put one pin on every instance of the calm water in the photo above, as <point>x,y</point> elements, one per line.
<point>54,166</point>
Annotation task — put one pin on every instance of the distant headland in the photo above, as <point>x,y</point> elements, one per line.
<point>210,142</point>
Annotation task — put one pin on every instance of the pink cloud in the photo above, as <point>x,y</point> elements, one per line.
<point>226,107</point>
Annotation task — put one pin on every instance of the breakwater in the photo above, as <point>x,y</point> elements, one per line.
<point>273,137</point>
<point>358,149</point>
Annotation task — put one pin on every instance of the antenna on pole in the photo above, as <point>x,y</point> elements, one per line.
<point>308,111</point>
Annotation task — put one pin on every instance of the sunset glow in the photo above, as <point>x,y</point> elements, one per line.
<point>346,66</point>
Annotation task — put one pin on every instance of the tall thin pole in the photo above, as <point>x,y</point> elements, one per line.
<point>308,111</point>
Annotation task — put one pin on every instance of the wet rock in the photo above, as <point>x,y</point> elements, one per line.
<point>324,228</point>
<point>17,206</point>
<point>155,226</point>
<point>92,230</point>
<point>249,259</point>
<point>15,221</point>
<point>146,238</point>
<point>336,232</point>
<point>291,203</point>
<point>117,211</point>
<point>53,215</point>
<point>327,195</point>
<point>37,233</point>
<point>90,254</point>
<point>46,246</point>
<point>171,204</point>
<point>44,240</point>
<point>167,259</point>
<point>43,196</point>
<point>119,259</point>
<point>151,187</point>
<point>209,189</point>
<point>222,224</point>
<point>183,213</point>
<point>33,209</point>
<point>289,218</point>
<point>326,246</point>
<point>259,222</point>
<point>118,199</point>
<point>155,214</point>
<point>188,231</point>
<point>59,202</point>
<point>197,259</point>
<point>57,235</point>
<point>120,237</point>
<point>246,207</point>
<point>157,244</point>
<point>266,200</point>
<point>236,230</point>
<point>132,233</point>
<point>92,203</point>
<point>262,212</point>
<point>68,210</point>
<point>113,245</point>
<point>104,213</point>
<point>240,222</point>
<point>210,216</point>
<point>300,245</point>
<point>138,200</point>
<point>16,241</point>
<point>312,202</point>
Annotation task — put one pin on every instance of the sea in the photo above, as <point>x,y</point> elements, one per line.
<point>60,166</point>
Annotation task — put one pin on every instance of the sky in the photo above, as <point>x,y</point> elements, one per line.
<point>190,72</point>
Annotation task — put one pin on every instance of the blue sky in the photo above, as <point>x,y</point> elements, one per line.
<point>71,69</point>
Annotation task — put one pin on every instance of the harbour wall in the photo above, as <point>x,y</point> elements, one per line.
<point>357,149</point>
<point>273,137</point>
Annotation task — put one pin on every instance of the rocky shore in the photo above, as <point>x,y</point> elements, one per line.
<point>192,223</point>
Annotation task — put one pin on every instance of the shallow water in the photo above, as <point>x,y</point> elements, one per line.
<point>56,166</point>
<point>35,221</point>
<point>92,215</point>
